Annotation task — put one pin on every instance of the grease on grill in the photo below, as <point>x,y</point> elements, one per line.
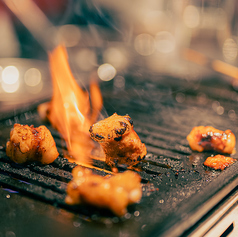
<point>176,178</point>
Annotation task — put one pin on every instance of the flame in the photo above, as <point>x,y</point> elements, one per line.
<point>70,110</point>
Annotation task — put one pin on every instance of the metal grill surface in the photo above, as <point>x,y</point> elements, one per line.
<point>164,110</point>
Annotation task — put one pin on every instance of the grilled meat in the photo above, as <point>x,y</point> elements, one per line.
<point>219,162</point>
<point>208,138</point>
<point>120,142</point>
<point>31,144</point>
<point>112,192</point>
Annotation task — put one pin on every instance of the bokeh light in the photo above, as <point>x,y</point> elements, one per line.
<point>180,97</point>
<point>116,57</point>
<point>10,79</point>
<point>232,114</point>
<point>33,80</point>
<point>69,35</point>
<point>10,75</point>
<point>165,42</point>
<point>119,82</point>
<point>144,44</point>
<point>230,50</point>
<point>32,77</point>
<point>10,88</point>
<point>220,110</point>
<point>191,16</point>
<point>106,72</point>
<point>86,59</point>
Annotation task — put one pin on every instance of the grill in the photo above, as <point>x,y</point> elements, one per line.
<point>179,193</point>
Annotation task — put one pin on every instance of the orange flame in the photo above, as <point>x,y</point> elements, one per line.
<point>70,110</point>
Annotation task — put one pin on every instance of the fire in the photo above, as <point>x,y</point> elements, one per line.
<point>72,111</point>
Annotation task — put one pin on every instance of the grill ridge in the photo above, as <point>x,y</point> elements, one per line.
<point>170,172</point>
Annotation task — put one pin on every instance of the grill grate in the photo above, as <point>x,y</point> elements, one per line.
<point>166,164</point>
<point>171,172</point>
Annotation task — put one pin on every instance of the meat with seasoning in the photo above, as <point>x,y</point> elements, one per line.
<point>219,162</point>
<point>119,141</point>
<point>112,192</point>
<point>204,138</point>
<point>28,143</point>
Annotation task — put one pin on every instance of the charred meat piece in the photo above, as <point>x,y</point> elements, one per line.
<point>111,192</point>
<point>219,162</point>
<point>208,138</point>
<point>31,144</point>
<point>120,142</point>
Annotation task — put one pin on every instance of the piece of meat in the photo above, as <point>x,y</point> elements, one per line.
<point>208,138</point>
<point>219,162</point>
<point>28,143</point>
<point>111,192</point>
<point>43,111</point>
<point>119,141</point>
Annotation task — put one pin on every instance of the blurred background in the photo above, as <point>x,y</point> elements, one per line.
<point>178,38</point>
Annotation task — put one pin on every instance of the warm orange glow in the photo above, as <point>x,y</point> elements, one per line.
<point>70,110</point>
<point>225,68</point>
<point>194,56</point>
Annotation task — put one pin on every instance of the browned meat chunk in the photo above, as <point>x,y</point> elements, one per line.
<point>31,144</point>
<point>208,138</point>
<point>219,162</point>
<point>120,142</point>
<point>112,192</point>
